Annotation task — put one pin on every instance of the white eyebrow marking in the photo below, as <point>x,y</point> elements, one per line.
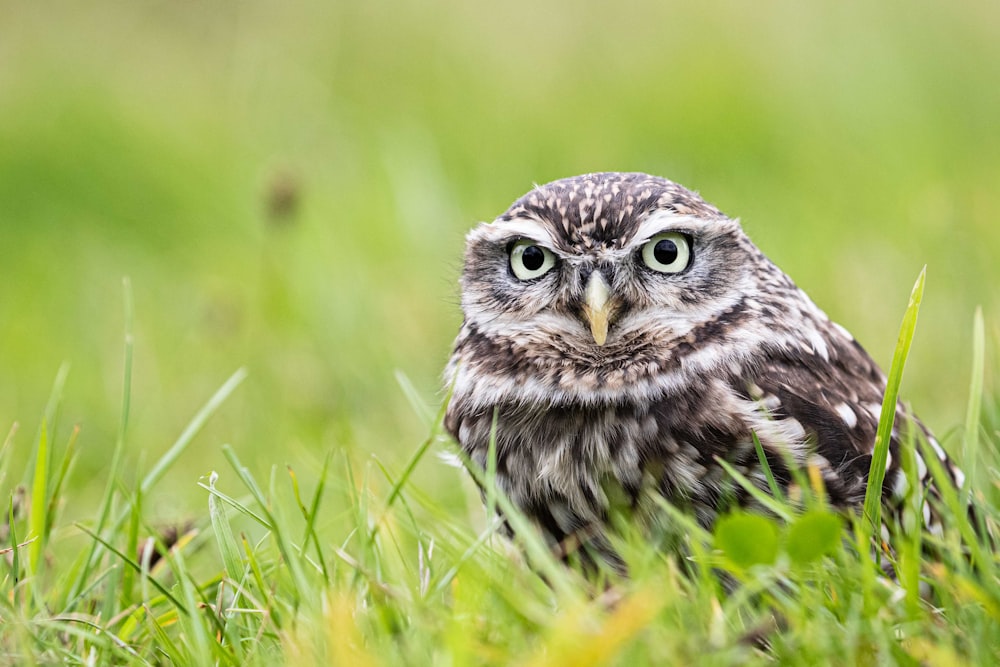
<point>664,221</point>
<point>502,230</point>
<point>531,229</point>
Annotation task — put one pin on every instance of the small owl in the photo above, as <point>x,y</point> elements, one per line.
<point>624,334</point>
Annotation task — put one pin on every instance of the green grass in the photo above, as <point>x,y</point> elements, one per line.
<point>287,185</point>
<point>263,577</point>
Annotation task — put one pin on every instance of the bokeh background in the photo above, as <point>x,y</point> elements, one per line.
<point>287,186</point>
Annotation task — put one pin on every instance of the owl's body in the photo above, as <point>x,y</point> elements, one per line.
<point>625,335</point>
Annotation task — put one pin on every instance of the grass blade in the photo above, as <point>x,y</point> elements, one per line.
<point>224,534</point>
<point>69,456</point>
<point>240,507</point>
<point>876,473</point>
<point>413,397</point>
<point>309,513</point>
<point>104,512</point>
<point>192,429</point>
<point>773,503</point>
<point>973,414</point>
<point>4,448</point>
<point>39,499</point>
<point>415,459</point>
<point>15,560</point>
<point>55,396</point>
<point>127,361</point>
<point>772,483</point>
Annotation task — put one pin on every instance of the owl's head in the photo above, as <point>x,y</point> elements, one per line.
<point>602,267</point>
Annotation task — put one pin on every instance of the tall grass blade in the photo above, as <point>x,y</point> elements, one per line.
<point>55,396</point>
<point>491,467</point>
<point>772,483</point>
<point>4,448</point>
<point>131,546</point>
<point>192,429</point>
<point>15,559</point>
<point>69,456</point>
<point>973,414</point>
<point>114,469</point>
<point>876,472</point>
<point>224,534</point>
<point>310,513</point>
<point>37,519</point>
<point>411,465</point>
<point>413,397</point>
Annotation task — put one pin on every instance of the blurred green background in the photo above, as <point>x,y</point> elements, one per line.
<point>288,185</point>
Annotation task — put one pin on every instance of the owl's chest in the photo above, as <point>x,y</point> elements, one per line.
<point>572,455</point>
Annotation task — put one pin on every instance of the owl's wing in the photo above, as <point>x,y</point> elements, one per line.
<point>836,397</point>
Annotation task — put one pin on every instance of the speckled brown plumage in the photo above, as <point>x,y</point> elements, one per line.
<point>695,361</point>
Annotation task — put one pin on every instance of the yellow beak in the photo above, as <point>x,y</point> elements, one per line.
<point>597,307</point>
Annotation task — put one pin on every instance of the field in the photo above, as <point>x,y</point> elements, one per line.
<point>230,235</point>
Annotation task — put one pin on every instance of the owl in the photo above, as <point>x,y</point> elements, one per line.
<point>621,335</point>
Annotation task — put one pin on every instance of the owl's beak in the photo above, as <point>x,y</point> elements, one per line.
<point>597,306</point>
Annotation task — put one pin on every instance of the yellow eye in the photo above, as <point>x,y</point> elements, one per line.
<point>528,260</point>
<point>668,252</point>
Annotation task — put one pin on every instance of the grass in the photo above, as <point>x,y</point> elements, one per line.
<point>262,577</point>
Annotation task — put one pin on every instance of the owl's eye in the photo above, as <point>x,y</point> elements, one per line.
<point>528,260</point>
<point>669,252</point>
